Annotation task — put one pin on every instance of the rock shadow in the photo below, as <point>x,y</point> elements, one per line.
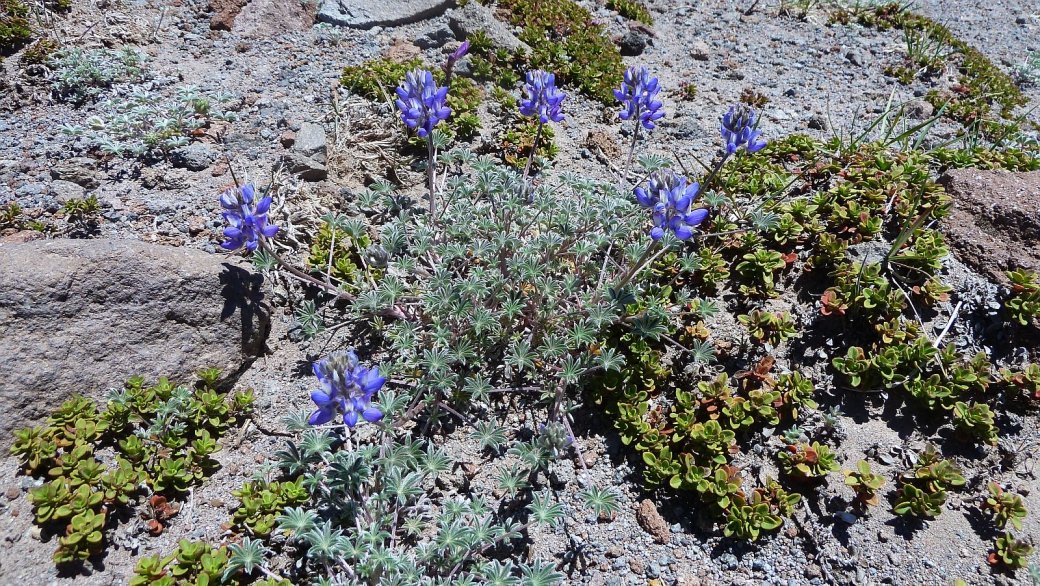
<point>242,290</point>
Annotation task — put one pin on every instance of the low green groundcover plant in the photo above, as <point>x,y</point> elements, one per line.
<point>162,438</point>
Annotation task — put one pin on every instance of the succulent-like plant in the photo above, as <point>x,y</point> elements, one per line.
<point>807,462</point>
<point>1004,506</point>
<point>865,483</point>
<point>1011,552</point>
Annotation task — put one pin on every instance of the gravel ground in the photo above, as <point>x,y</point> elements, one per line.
<point>282,74</point>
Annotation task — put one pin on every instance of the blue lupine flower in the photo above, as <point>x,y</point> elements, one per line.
<point>422,102</point>
<point>347,388</point>
<point>460,52</point>
<point>637,95</point>
<point>543,97</point>
<point>246,218</point>
<point>449,65</point>
<point>738,129</point>
<point>670,198</point>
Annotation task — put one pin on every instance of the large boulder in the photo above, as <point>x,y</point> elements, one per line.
<point>474,17</point>
<point>81,316</point>
<point>994,223</point>
<point>365,14</point>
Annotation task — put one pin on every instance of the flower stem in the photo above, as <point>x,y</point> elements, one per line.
<point>640,264</point>
<point>715,171</point>
<point>304,276</point>
<point>431,174</point>
<point>628,163</point>
<point>534,149</point>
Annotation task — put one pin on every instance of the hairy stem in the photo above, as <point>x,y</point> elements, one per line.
<point>631,152</point>
<point>304,276</point>
<point>431,174</point>
<point>534,149</point>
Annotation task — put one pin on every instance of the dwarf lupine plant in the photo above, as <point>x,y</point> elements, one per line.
<point>246,218</point>
<point>422,105</point>
<point>544,101</point>
<point>347,388</point>
<point>638,97</point>
<point>510,289</point>
<point>670,197</point>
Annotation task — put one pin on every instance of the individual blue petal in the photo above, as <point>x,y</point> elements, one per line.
<point>321,398</point>
<point>228,199</point>
<point>247,193</point>
<point>682,232</point>
<point>372,414</point>
<point>269,230</point>
<point>350,418</point>
<point>644,198</point>
<point>682,204</point>
<point>263,206</point>
<point>321,416</point>
<point>656,233</point>
<point>697,216</point>
<point>371,381</point>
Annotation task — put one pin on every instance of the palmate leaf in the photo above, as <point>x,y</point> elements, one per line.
<point>297,520</point>
<point>496,573</point>
<point>540,574</point>
<point>490,435</point>
<point>246,556</point>
<point>601,501</point>
<point>649,326</point>
<point>542,511</point>
<point>610,359</point>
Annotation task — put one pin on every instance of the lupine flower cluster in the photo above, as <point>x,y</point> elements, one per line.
<point>543,97</point>
<point>738,130</point>
<point>421,102</point>
<point>670,196</point>
<point>637,95</point>
<point>459,53</point>
<point>347,388</point>
<point>246,218</point>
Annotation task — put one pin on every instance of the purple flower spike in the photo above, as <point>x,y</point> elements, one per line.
<point>738,130</point>
<point>543,97</point>
<point>670,196</point>
<point>421,102</point>
<point>246,218</point>
<point>637,95</point>
<point>460,52</point>
<point>347,388</point>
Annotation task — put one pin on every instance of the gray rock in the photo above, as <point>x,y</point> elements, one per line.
<point>365,14</point>
<point>858,57</point>
<point>194,157</point>
<point>311,141</point>
<point>632,44</point>
<point>64,191</point>
<point>474,17</point>
<point>306,167</point>
<point>700,51</point>
<point>80,170</point>
<point>818,122</point>
<point>80,316</point>
<point>29,190</point>
<point>434,37</point>
<point>920,109</point>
